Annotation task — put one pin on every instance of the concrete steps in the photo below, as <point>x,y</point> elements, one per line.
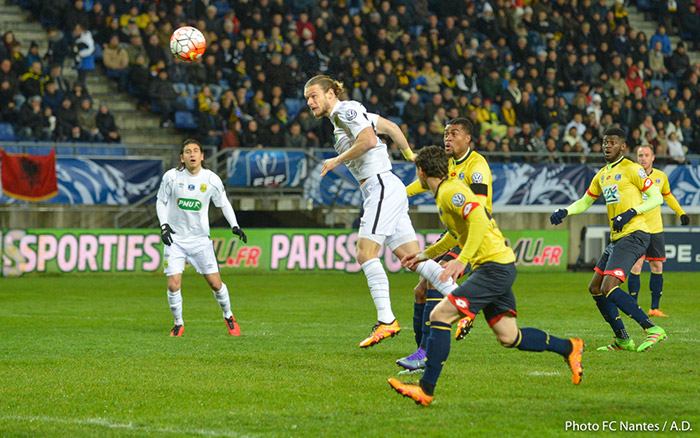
<point>135,127</point>
<point>638,23</point>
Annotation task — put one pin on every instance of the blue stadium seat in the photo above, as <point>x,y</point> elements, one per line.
<point>100,151</point>
<point>294,106</point>
<point>7,132</point>
<point>396,119</point>
<point>221,8</point>
<point>400,105</point>
<point>185,120</point>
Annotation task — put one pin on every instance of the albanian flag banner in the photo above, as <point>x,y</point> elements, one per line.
<point>29,177</point>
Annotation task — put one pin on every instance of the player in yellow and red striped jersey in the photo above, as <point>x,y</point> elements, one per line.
<point>488,287</point>
<point>656,252</point>
<point>622,183</point>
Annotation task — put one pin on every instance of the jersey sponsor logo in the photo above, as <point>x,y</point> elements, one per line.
<point>453,174</point>
<point>458,199</point>
<point>477,178</point>
<point>642,173</point>
<point>619,273</point>
<point>647,183</point>
<point>189,204</point>
<point>468,208</point>
<point>462,304</point>
<point>618,177</point>
<point>612,194</point>
<point>658,181</point>
<point>190,187</point>
<point>350,114</point>
<point>203,188</point>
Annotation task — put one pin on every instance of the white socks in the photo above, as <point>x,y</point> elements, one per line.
<point>431,270</point>
<point>222,297</point>
<point>175,301</point>
<point>378,284</point>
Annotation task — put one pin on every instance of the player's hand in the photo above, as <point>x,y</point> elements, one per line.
<point>621,219</point>
<point>558,216</point>
<point>412,261</point>
<point>453,269</point>
<point>238,232</point>
<point>329,165</point>
<point>165,234</point>
<point>685,219</point>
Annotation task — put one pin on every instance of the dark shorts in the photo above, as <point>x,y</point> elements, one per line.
<point>657,248</point>
<point>452,255</point>
<point>619,256</point>
<point>488,288</point>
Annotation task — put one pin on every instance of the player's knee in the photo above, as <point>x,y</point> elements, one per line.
<point>216,285</point>
<point>507,339</point>
<point>594,289</point>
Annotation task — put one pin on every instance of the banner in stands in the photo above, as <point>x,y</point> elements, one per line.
<point>264,168</point>
<point>513,184</point>
<point>115,250</point>
<point>102,181</point>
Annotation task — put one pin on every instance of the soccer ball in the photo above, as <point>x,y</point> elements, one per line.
<point>187,43</point>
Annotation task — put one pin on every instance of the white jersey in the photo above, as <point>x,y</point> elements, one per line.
<point>187,198</point>
<point>349,119</point>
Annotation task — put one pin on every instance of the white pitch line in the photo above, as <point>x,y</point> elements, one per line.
<point>544,373</point>
<point>104,422</point>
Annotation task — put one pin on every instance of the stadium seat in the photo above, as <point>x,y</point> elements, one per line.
<point>222,7</point>
<point>396,119</point>
<point>568,96</point>
<point>7,132</point>
<point>185,120</point>
<point>294,106</point>
<point>100,151</point>
<point>400,105</point>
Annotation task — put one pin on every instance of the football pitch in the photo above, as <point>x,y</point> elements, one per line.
<point>89,355</point>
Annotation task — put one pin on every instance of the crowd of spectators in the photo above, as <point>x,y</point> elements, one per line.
<point>39,102</point>
<point>539,79</point>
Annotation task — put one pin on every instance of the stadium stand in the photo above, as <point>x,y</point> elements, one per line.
<point>598,59</point>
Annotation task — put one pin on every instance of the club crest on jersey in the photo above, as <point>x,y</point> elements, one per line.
<point>477,178</point>
<point>203,188</point>
<point>642,173</point>
<point>350,114</point>
<point>190,187</point>
<point>617,177</point>
<point>458,199</point>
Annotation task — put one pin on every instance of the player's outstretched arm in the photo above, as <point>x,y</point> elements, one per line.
<point>387,127</point>
<point>577,207</point>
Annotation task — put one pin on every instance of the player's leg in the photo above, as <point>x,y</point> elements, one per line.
<point>419,294</point>
<point>174,261</point>
<point>441,320</point>
<point>204,261</point>
<point>656,256</point>
<point>625,253</point>
<point>633,282</point>
<point>509,335</point>
<point>656,285</point>
<point>608,309</point>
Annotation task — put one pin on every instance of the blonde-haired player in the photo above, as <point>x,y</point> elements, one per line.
<point>385,219</point>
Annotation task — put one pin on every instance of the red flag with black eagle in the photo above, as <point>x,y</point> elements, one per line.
<point>29,177</point>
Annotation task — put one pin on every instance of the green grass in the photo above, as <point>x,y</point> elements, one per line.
<point>89,355</point>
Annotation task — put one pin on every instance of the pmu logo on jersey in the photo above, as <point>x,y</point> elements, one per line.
<point>190,187</point>
<point>189,204</point>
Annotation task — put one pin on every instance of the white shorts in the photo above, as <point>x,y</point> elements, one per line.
<point>385,219</point>
<point>198,253</point>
